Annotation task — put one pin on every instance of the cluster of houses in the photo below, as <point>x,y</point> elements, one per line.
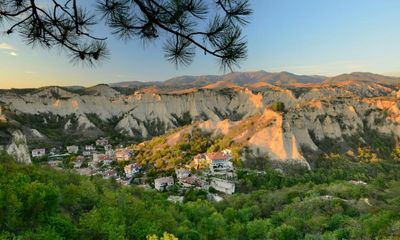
<point>208,170</point>
<point>216,168</point>
<point>90,159</point>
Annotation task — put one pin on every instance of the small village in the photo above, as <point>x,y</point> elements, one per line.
<point>213,172</point>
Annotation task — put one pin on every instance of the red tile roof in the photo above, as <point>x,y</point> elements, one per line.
<point>217,156</point>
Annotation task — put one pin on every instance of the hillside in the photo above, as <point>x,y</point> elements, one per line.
<point>314,113</point>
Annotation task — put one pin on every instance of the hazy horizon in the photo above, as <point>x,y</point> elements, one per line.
<point>162,80</point>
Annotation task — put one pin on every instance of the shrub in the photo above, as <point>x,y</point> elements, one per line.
<point>278,106</point>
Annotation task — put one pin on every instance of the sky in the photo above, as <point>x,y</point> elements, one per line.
<point>301,36</point>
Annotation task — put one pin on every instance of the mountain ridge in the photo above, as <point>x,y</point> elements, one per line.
<point>245,78</point>
<point>241,79</point>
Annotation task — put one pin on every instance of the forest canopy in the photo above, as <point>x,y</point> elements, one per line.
<point>41,203</point>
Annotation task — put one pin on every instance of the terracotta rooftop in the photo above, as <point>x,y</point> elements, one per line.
<point>217,156</point>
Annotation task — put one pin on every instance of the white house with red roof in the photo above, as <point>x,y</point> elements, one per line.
<point>219,161</point>
<point>123,154</point>
<point>163,183</point>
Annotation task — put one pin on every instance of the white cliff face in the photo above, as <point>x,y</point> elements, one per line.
<point>284,136</point>
<point>136,110</point>
<point>267,134</point>
<point>275,139</point>
<point>312,113</point>
<point>84,123</point>
<point>18,147</point>
<point>128,125</point>
<point>325,119</point>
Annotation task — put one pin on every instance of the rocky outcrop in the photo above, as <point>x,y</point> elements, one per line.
<point>81,123</point>
<point>312,113</point>
<point>141,113</point>
<point>18,147</point>
<point>276,139</point>
<point>285,136</point>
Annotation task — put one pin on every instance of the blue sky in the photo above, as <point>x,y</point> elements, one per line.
<point>301,36</point>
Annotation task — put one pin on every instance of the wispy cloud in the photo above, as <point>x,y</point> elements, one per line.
<point>9,49</point>
<point>6,46</point>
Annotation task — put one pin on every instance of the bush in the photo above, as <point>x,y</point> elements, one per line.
<point>278,106</point>
<point>396,154</point>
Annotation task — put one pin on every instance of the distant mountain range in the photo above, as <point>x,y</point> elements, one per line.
<point>247,78</point>
<point>364,77</point>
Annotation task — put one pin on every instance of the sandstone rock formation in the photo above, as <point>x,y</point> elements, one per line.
<point>314,112</point>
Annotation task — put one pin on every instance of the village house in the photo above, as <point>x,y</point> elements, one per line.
<point>123,154</point>
<point>110,153</point>
<point>87,153</point>
<point>108,148</point>
<point>182,173</point>
<point>79,161</point>
<point>102,142</point>
<point>73,149</point>
<point>90,148</point>
<point>99,157</point>
<point>39,152</point>
<point>110,174</point>
<point>223,185</point>
<point>54,164</point>
<point>163,183</point>
<point>107,162</point>
<point>131,169</point>
<point>188,181</point>
<point>219,162</point>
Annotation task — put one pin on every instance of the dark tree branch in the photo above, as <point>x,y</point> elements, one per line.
<point>67,25</point>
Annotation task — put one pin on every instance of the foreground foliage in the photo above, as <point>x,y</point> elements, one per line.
<point>40,203</point>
